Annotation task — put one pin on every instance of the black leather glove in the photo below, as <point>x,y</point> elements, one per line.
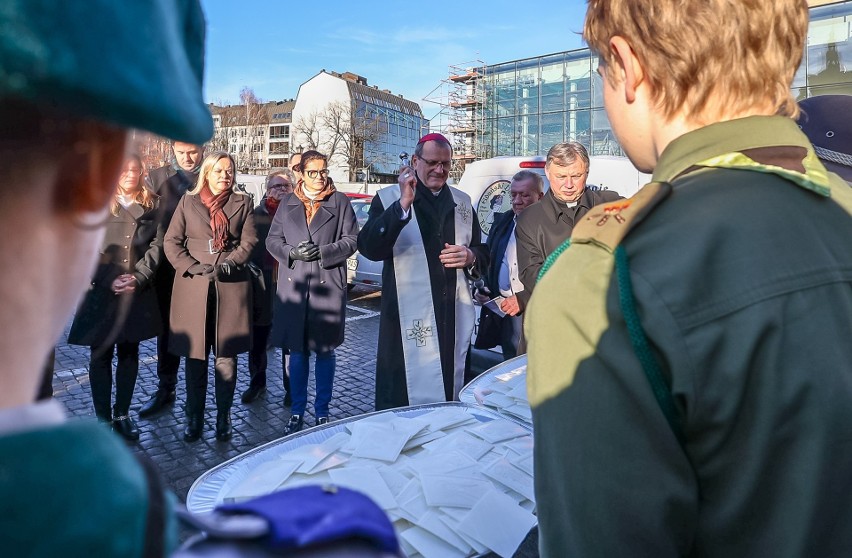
<point>200,269</point>
<point>306,251</point>
<point>225,268</point>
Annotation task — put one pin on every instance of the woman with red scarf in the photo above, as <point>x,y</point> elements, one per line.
<point>312,234</point>
<point>209,241</point>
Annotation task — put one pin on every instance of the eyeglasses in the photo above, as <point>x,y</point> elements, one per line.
<point>315,173</point>
<point>280,187</point>
<point>434,164</point>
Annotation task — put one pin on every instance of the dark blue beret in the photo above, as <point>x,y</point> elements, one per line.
<point>137,64</point>
<point>827,121</point>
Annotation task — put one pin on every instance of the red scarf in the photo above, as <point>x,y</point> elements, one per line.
<point>218,220</point>
<point>271,205</point>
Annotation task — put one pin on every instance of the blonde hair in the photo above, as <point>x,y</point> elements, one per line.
<point>207,164</point>
<point>143,197</point>
<point>706,54</point>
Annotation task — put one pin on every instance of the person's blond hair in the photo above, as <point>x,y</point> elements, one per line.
<point>143,196</point>
<point>207,164</point>
<point>700,55</point>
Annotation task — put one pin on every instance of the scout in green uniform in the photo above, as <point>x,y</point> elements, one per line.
<point>74,81</point>
<point>690,364</point>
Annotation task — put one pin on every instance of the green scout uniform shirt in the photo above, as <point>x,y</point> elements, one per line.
<point>742,278</point>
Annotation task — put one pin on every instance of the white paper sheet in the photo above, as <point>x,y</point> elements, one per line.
<point>395,480</point>
<point>443,418</point>
<point>511,477</point>
<point>264,479</point>
<point>429,545</point>
<point>524,463</point>
<point>381,442</point>
<point>499,523</point>
<point>333,460</point>
<point>498,430</point>
<point>422,439</point>
<point>463,442</point>
<point>453,462</point>
<point>431,522</point>
<point>318,452</point>
<point>458,492</point>
<point>368,481</point>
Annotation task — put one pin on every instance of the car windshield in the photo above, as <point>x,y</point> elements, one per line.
<point>362,210</point>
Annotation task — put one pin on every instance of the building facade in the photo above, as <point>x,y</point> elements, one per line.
<point>256,134</point>
<point>361,128</point>
<point>524,107</point>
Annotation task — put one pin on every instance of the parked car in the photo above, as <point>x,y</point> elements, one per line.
<point>360,270</point>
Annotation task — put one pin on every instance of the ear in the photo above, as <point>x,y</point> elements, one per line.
<point>629,66</point>
<point>89,172</point>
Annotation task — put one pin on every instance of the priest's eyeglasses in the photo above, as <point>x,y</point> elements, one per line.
<point>434,164</point>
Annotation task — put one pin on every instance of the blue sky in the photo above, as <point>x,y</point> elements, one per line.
<point>274,46</point>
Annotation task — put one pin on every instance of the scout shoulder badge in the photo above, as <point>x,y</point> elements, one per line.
<point>605,226</point>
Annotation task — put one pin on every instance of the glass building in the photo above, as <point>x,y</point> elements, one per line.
<point>525,106</point>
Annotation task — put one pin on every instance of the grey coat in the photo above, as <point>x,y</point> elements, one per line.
<point>186,244</point>
<point>312,295</point>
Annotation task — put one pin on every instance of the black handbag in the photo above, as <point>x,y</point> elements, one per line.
<point>488,331</point>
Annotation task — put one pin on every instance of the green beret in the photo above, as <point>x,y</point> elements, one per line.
<point>134,63</point>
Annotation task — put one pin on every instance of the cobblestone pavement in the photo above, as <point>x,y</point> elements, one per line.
<point>254,424</point>
<point>262,421</point>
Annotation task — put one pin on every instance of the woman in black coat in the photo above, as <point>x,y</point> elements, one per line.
<point>209,242</point>
<point>120,309</point>
<point>313,233</point>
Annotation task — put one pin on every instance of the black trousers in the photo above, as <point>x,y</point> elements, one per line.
<point>167,363</point>
<point>225,369</point>
<point>100,378</point>
<point>258,358</point>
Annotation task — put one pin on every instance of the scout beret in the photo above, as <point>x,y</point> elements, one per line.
<point>827,121</point>
<point>133,64</point>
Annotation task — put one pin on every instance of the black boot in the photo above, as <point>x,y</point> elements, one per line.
<point>252,393</point>
<point>159,401</point>
<point>125,426</point>
<point>194,425</point>
<point>223,426</point>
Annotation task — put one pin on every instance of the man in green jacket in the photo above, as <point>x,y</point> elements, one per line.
<point>690,369</point>
<point>74,81</point>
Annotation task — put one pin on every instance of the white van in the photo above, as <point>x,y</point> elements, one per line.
<point>253,185</point>
<point>487,181</point>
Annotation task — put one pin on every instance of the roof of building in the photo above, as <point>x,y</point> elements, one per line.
<point>271,112</point>
<point>372,94</point>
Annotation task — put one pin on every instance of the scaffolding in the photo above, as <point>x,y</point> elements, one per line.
<point>461,117</point>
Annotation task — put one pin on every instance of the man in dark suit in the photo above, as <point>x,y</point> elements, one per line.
<point>541,230</point>
<point>170,182</point>
<point>502,277</point>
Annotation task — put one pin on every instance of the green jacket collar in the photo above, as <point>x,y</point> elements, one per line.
<point>730,144</point>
